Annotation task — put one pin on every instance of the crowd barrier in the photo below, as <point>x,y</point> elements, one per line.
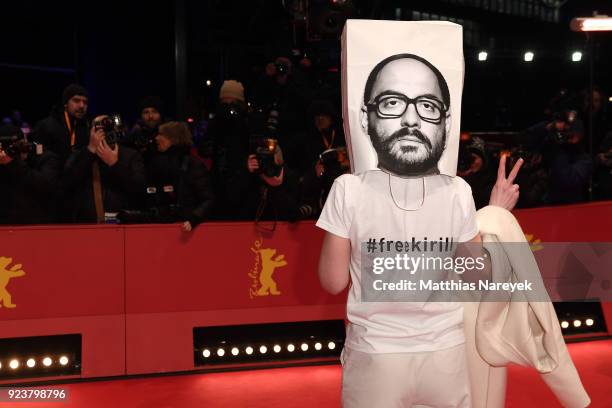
<point>136,292</point>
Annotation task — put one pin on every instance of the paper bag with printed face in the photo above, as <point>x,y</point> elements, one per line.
<point>401,95</point>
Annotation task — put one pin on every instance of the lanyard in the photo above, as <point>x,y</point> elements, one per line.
<point>70,129</point>
<point>329,144</point>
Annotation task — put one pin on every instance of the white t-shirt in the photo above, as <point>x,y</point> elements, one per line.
<point>360,207</point>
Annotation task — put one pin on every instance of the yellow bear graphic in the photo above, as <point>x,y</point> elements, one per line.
<point>5,275</point>
<point>269,264</point>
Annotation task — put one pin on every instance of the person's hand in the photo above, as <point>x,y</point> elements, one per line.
<point>187,226</point>
<point>106,154</point>
<point>95,137</point>
<point>5,158</point>
<point>252,164</point>
<point>274,181</point>
<point>505,194</point>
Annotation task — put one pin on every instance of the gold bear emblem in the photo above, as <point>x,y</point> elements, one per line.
<point>268,264</point>
<point>6,275</point>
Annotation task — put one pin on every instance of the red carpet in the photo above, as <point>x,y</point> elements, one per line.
<point>312,387</point>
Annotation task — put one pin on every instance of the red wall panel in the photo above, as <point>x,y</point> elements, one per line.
<point>136,292</point>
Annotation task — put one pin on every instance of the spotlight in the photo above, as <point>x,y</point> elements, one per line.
<point>597,23</point>
<point>577,323</point>
<point>47,361</point>
<point>528,57</point>
<point>277,348</point>
<point>331,345</point>
<point>235,351</point>
<point>0,365</point>
<point>564,325</point>
<point>291,348</point>
<point>304,347</point>
<point>220,352</point>
<point>31,363</point>
<point>208,82</point>
<point>263,349</point>
<point>318,346</point>
<point>589,322</point>
<point>206,353</point>
<point>576,56</point>
<point>249,350</point>
<point>63,360</point>
<point>482,56</point>
<point>14,364</point>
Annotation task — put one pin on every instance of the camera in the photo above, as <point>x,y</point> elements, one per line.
<point>281,68</point>
<point>112,125</point>
<point>562,126</point>
<point>13,146</point>
<point>264,152</point>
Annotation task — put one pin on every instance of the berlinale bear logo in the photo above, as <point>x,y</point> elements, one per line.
<point>263,284</point>
<point>5,276</point>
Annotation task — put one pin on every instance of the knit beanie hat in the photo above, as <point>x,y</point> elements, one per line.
<point>154,102</point>
<point>232,89</point>
<point>72,90</point>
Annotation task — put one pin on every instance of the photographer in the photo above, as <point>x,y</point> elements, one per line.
<point>28,180</point>
<point>565,156</point>
<point>229,133</point>
<point>179,182</point>
<point>319,155</point>
<point>278,90</point>
<point>265,189</point>
<point>66,127</point>
<point>143,133</point>
<point>103,177</point>
<point>472,167</point>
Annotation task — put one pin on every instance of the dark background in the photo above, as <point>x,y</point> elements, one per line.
<point>122,51</point>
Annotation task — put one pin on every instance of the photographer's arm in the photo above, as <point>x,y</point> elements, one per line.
<point>334,263</point>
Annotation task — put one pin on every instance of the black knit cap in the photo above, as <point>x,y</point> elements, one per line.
<point>151,102</point>
<point>72,90</point>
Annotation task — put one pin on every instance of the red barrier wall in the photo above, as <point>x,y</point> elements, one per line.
<point>136,292</point>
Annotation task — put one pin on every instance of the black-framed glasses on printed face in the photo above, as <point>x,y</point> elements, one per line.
<point>390,106</point>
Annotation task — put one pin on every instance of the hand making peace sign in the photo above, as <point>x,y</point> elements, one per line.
<point>505,194</point>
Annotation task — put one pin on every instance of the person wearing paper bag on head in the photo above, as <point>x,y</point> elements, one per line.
<point>397,354</point>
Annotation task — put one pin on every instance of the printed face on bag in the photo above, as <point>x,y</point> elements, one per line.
<point>406,114</point>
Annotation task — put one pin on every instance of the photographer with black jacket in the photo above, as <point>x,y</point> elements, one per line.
<point>28,179</point>
<point>319,155</point>
<point>103,177</point>
<point>265,189</point>
<point>143,133</point>
<point>178,182</point>
<point>66,127</point>
<point>229,135</point>
<point>562,145</point>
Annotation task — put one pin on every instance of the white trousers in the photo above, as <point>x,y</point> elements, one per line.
<point>405,380</point>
